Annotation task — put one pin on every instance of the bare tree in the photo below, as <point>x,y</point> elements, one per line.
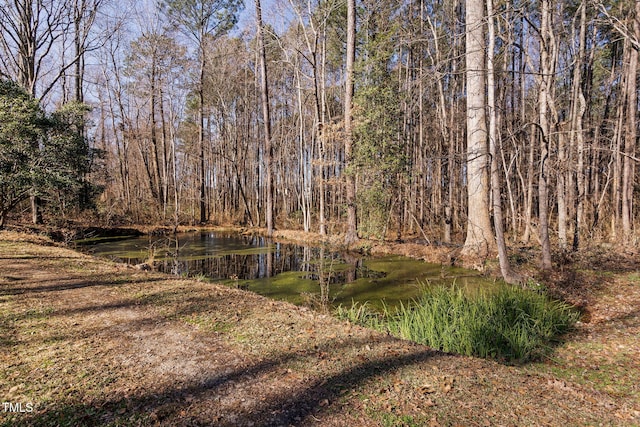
<point>579,107</point>
<point>544,89</point>
<point>202,20</point>
<point>505,268</point>
<point>84,17</point>
<point>631,127</point>
<point>351,234</point>
<point>266,117</point>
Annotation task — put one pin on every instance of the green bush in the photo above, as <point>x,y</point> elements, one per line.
<point>510,323</point>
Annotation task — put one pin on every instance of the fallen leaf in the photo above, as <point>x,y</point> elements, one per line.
<point>446,384</point>
<point>427,389</point>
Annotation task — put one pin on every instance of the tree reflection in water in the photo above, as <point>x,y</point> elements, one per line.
<point>221,256</point>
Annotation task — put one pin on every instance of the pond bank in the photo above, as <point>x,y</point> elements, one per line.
<point>90,342</point>
<point>432,253</point>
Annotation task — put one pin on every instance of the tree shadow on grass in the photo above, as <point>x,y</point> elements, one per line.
<point>298,409</point>
<point>73,283</point>
<point>197,402</point>
<point>25,257</point>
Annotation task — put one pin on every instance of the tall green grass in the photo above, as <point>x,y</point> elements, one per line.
<point>509,323</point>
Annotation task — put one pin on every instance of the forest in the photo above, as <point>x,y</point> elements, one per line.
<point>362,160</point>
<point>376,118</point>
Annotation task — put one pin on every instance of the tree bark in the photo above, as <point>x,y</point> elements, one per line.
<point>351,234</point>
<point>543,94</point>
<point>631,126</point>
<point>479,241</point>
<point>505,269</point>
<point>578,111</point>
<point>202,173</point>
<point>266,118</point>
<point>322,143</point>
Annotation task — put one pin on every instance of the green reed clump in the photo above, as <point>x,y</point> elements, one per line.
<point>509,323</point>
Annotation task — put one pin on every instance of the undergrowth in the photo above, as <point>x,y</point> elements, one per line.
<point>510,323</point>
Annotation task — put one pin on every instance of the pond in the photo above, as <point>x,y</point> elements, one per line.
<point>295,273</point>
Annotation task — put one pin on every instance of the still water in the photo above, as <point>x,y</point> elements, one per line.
<point>295,273</point>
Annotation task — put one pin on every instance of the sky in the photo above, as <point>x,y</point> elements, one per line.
<point>276,13</point>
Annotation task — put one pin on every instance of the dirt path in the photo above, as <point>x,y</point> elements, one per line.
<point>87,342</point>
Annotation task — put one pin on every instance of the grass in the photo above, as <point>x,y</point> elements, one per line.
<point>71,415</point>
<point>509,324</point>
<point>634,278</point>
<point>206,323</point>
<point>393,420</point>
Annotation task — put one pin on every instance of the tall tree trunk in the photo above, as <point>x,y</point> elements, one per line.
<point>578,111</point>
<point>616,195</point>
<point>351,234</point>
<point>453,137</point>
<point>498,225</point>
<point>202,173</point>
<point>156,182</point>
<point>266,118</point>
<point>631,127</point>
<point>322,143</point>
<point>79,8</point>
<point>543,102</point>
<point>479,241</point>
<point>165,155</point>
<point>174,170</point>
<point>445,128</point>
<point>561,188</point>
<point>526,141</point>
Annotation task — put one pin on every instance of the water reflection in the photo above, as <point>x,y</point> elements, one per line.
<point>295,273</point>
<point>221,256</point>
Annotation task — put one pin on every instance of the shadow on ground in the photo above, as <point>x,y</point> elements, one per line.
<point>198,402</point>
